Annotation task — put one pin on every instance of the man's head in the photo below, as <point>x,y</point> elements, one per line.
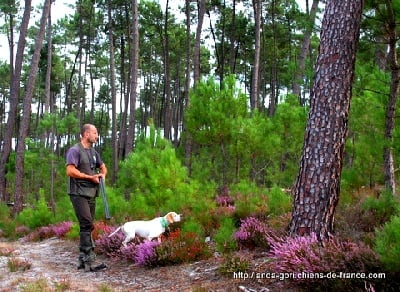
<point>89,134</point>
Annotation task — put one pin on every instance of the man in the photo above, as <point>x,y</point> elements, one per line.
<point>85,168</point>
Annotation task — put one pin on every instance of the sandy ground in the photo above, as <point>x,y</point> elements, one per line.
<point>51,266</point>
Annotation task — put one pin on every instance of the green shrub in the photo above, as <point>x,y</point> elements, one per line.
<point>279,202</point>
<point>224,236</point>
<point>36,216</point>
<point>181,247</point>
<point>387,244</point>
<point>74,232</point>
<point>192,226</point>
<point>153,174</point>
<point>382,208</point>
<point>234,264</point>
<point>7,225</point>
<point>64,210</point>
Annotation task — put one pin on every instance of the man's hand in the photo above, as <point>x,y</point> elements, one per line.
<point>96,178</point>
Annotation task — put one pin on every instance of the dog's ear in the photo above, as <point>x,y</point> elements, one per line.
<point>170,217</point>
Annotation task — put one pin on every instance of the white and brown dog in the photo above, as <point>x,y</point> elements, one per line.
<point>147,229</point>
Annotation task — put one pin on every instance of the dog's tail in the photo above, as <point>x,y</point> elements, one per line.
<point>115,231</point>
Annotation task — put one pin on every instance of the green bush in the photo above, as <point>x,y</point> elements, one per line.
<point>192,226</point>
<point>382,208</point>
<point>36,216</point>
<point>7,225</point>
<point>153,175</point>
<point>279,202</point>
<point>387,244</point>
<point>224,236</point>
<point>64,210</point>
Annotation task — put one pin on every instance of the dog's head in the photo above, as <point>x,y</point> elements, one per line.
<point>173,217</point>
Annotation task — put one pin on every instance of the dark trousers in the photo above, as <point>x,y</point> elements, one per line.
<point>84,210</point>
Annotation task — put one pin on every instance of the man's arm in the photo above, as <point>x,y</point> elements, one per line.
<point>72,171</point>
<point>103,171</point>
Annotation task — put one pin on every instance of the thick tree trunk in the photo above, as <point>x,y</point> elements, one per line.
<point>113,95</point>
<point>14,97</point>
<point>390,182</point>
<point>256,66</point>
<point>316,191</point>
<point>201,4</point>
<point>134,77</point>
<point>167,84</point>
<point>23,131</point>
<point>187,136</point>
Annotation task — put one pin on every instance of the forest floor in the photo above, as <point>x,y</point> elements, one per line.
<point>50,265</point>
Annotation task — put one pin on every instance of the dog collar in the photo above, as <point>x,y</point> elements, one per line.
<point>164,222</point>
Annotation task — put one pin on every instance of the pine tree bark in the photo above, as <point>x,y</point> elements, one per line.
<point>14,97</point>
<point>257,49</point>
<point>134,77</point>
<point>316,191</point>
<point>390,182</point>
<point>201,4</point>
<point>113,94</point>
<point>25,122</point>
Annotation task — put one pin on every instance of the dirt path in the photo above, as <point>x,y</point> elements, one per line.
<point>53,268</point>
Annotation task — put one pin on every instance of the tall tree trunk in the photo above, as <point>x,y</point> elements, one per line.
<point>23,132</point>
<point>317,188</point>
<point>14,96</point>
<point>114,140</point>
<point>124,103</point>
<point>49,67</point>
<point>274,88</point>
<point>390,182</point>
<point>201,6</point>
<point>167,82</point>
<point>255,88</point>
<point>232,40</point>
<point>134,77</point>
<point>80,96</point>
<point>187,136</point>
<point>305,47</point>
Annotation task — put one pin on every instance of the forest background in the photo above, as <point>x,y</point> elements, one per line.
<point>192,113</point>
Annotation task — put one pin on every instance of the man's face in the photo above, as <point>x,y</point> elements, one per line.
<point>92,135</point>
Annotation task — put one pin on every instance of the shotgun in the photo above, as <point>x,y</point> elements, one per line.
<point>104,196</point>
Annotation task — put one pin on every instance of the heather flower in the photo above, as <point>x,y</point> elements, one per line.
<point>253,232</point>
<point>110,246</point>
<point>22,230</point>
<point>61,229</point>
<point>224,201</point>
<point>145,254</point>
<point>307,254</point>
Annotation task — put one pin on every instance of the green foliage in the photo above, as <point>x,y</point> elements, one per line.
<point>7,225</point>
<point>192,226</point>
<point>37,215</point>
<point>234,264</point>
<point>119,207</point>
<point>231,145</point>
<point>224,236</point>
<point>382,208</point>
<point>285,141</point>
<point>364,146</point>
<point>154,177</point>
<point>250,200</point>
<point>279,202</point>
<point>211,121</point>
<point>387,244</point>
<point>64,210</point>
<point>182,248</point>
<point>74,232</point>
